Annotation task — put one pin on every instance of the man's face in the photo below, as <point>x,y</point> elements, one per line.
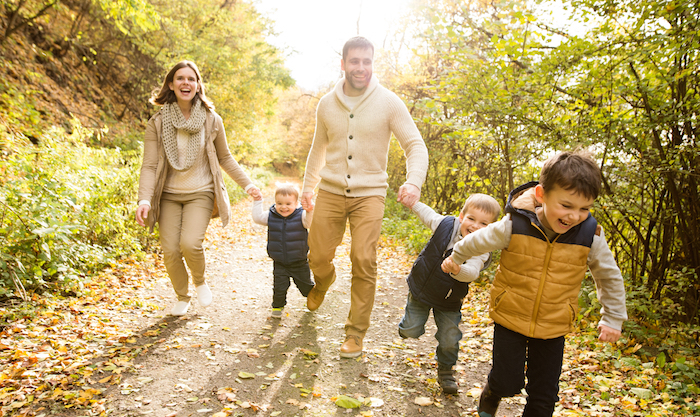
<point>358,70</point>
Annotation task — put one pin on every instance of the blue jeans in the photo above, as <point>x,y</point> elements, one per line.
<point>512,351</point>
<point>299,272</point>
<point>448,334</point>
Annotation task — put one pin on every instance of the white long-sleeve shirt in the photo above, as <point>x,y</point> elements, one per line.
<point>260,215</point>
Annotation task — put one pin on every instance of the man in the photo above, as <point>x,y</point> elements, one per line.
<point>347,160</point>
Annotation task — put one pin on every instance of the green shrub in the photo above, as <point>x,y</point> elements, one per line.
<point>66,210</point>
<point>404,227</point>
<point>261,177</point>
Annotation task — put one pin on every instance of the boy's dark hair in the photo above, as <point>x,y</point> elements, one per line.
<point>357,42</point>
<point>286,188</point>
<point>572,171</point>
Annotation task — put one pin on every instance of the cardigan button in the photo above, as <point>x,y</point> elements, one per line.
<point>350,136</point>
<point>348,175</point>
<point>347,191</point>
<point>352,115</point>
<point>350,157</point>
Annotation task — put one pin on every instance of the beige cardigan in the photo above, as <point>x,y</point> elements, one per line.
<point>350,147</point>
<point>154,169</point>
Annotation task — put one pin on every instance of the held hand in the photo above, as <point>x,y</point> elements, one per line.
<point>255,193</point>
<point>449,266</point>
<point>307,202</point>
<point>142,214</point>
<point>408,195</point>
<point>608,334</point>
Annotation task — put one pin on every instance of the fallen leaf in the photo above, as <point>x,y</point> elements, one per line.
<point>423,401</point>
<point>376,402</point>
<point>347,402</point>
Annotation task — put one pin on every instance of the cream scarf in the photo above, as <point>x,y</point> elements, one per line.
<point>173,119</point>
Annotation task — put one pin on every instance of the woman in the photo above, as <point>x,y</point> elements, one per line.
<point>181,182</point>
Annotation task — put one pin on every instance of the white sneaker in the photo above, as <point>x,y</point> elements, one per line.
<point>180,308</point>
<point>204,295</point>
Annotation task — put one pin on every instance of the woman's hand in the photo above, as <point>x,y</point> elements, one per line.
<point>254,192</point>
<point>142,214</point>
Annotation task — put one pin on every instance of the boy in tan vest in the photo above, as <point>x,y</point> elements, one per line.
<point>548,240</point>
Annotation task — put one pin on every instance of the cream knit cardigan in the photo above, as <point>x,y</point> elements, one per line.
<point>350,146</point>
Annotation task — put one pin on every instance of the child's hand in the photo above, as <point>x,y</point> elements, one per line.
<point>608,334</point>
<point>449,266</point>
<point>408,195</point>
<point>307,202</point>
<point>255,193</point>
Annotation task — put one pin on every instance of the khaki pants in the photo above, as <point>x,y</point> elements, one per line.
<point>182,223</point>
<point>365,215</point>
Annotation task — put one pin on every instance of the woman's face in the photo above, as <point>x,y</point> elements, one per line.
<point>184,84</point>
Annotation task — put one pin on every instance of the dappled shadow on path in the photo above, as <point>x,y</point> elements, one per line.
<point>233,358</point>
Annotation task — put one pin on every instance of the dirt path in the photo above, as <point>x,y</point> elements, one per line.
<point>232,359</point>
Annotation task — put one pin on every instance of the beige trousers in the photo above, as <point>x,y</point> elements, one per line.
<point>331,214</point>
<point>182,223</point>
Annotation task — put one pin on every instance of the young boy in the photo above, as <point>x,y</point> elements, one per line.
<point>287,232</point>
<point>548,240</point>
<point>431,288</point>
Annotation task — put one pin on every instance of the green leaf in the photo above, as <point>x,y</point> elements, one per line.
<point>661,360</point>
<point>642,393</point>
<point>347,402</point>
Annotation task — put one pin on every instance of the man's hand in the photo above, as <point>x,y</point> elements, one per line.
<point>449,266</point>
<point>608,334</point>
<point>255,193</point>
<point>142,214</point>
<point>408,195</point>
<point>307,201</point>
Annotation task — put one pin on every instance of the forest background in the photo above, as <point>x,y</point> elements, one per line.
<point>494,90</point>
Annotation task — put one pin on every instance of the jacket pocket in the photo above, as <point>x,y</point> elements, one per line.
<point>573,313</point>
<point>506,302</point>
<point>446,289</point>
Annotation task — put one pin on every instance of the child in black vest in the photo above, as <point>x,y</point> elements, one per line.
<point>287,233</point>
<point>431,288</point>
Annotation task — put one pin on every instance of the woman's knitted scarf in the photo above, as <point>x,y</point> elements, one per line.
<point>173,119</point>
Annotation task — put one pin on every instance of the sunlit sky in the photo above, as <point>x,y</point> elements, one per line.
<point>313,32</point>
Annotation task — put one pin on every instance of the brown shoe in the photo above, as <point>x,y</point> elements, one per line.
<point>315,299</point>
<point>352,347</point>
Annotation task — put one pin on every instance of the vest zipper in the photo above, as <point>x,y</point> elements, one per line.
<point>284,237</point>
<point>543,277</point>
<point>444,255</point>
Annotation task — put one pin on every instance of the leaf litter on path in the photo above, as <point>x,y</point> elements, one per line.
<point>113,350</point>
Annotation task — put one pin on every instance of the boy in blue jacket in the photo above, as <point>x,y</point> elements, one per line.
<point>432,289</point>
<point>287,233</point>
